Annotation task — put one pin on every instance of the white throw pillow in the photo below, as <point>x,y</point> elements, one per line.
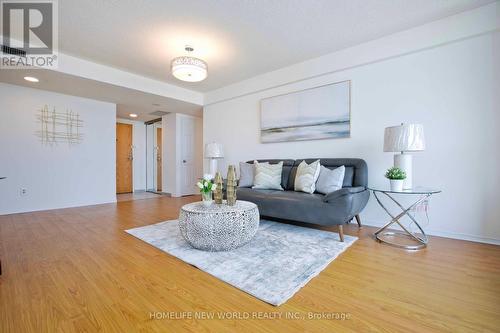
<point>306,177</point>
<point>268,176</point>
<point>330,180</point>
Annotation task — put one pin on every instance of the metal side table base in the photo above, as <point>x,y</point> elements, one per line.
<point>421,240</point>
<point>395,234</point>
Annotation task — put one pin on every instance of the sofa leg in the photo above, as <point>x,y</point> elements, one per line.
<point>341,232</point>
<point>358,219</point>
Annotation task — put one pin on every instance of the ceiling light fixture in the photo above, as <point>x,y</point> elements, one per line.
<point>31,79</point>
<point>188,68</point>
<point>133,115</point>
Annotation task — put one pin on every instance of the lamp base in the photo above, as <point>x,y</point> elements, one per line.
<point>404,162</point>
<point>213,167</point>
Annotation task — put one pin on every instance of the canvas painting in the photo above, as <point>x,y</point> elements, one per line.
<point>318,113</point>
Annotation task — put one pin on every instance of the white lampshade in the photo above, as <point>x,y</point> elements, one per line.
<point>189,69</point>
<point>404,137</point>
<point>213,150</point>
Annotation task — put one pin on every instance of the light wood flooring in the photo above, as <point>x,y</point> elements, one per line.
<point>138,195</point>
<point>77,270</point>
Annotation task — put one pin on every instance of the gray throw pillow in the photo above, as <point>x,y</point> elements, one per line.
<point>330,180</point>
<point>247,173</point>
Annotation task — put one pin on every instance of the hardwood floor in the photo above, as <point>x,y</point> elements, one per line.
<point>77,270</point>
<point>136,196</point>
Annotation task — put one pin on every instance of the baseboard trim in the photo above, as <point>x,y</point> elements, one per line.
<point>445,234</point>
<point>83,204</point>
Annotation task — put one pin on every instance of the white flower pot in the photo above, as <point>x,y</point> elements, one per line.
<point>397,185</point>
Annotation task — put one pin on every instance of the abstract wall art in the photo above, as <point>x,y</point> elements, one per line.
<point>317,113</point>
<point>59,127</point>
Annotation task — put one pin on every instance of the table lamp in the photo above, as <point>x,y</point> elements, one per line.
<point>213,152</point>
<point>404,138</point>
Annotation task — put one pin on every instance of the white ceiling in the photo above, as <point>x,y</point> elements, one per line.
<point>127,100</point>
<point>238,39</point>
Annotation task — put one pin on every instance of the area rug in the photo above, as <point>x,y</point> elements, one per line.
<point>273,266</point>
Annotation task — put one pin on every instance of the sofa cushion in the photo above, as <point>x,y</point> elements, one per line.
<point>247,174</point>
<point>295,206</point>
<point>350,169</point>
<point>269,197</point>
<point>356,170</point>
<point>290,186</point>
<point>268,176</point>
<point>285,174</point>
<point>306,177</point>
<point>348,177</point>
<point>330,180</point>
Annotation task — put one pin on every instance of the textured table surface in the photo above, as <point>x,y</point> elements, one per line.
<point>199,207</point>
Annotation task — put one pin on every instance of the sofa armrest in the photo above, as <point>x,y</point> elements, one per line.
<point>332,196</point>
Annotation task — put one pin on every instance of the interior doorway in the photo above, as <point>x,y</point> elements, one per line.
<point>154,158</point>
<point>124,157</point>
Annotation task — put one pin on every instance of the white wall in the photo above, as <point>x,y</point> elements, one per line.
<point>55,176</point>
<point>449,88</point>
<point>139,151</point>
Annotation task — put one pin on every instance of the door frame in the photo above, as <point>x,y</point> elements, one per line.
<point>154,161</point>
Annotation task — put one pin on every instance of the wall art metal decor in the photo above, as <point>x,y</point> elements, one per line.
<point>318,113</point>
<point>59,127</point>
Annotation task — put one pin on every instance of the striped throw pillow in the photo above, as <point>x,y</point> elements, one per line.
<point>306,177</point>
<point>268,176</point>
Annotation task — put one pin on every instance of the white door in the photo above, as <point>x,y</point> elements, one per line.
<point>187,172</point>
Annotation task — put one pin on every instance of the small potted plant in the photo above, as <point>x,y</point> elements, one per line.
<point>396,177</point>
<point>206,187</point>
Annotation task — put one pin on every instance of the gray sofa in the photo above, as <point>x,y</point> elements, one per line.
<point>335,208</point>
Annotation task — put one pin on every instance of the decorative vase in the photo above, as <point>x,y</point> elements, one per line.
<point>231,185</point>
<point>218,190</point>
<point>207,198</point>
<point>397,185</point>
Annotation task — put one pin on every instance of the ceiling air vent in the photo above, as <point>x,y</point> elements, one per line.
<point>159,113</point>
<point>12,51</point>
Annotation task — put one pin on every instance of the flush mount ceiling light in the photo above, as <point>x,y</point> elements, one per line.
<point>188,68</point>
<point>31,79</point>
<point>133,115</point>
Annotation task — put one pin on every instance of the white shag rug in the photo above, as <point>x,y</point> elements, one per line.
<point>273,266</point>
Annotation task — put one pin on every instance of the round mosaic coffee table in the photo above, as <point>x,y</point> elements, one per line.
<point>218,227</point>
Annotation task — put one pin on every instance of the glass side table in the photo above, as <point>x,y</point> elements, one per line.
<point>381,234</point>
